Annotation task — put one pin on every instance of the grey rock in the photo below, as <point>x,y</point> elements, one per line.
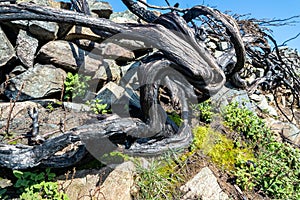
<point>110,93</point>
<point>250,80</point>
<point>101,8</point>
<point>129,78</point>
<point>20,121</point>
<point>16,71</point>
<point>37,82</point>
<point>26,47</point>
<point>17,24</point>
<point>123,17</point>
<point>81,33</point>
<point>256,97</point>
<point>68,56</point>
<point>113,51</point>
<point>264,106</point>
<point>45,31</point>
<point>285,129</point>
<point>218,54</point>
<point>63,28</point>
<point>204,186</point>
<point>85,184</point>
<point>7,52</point>
<point>119,182</point>
<point>76,107</point>
<point>223,46</point>
<point>51,3</point>
<point>108,71</point>
<point>227,95</point>
<point>212,45</point>
<point>118,98</point>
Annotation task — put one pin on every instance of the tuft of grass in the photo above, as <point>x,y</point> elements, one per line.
<point>160,180</point>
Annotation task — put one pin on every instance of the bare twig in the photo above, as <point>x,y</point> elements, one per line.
<point>11,108</point>
<point>284,43</point>
<point>163,7</point>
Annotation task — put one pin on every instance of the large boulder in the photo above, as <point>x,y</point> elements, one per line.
<point>37,82</point>
<point>45,31</point>
<point>68,56</point>
<point>108,71</point>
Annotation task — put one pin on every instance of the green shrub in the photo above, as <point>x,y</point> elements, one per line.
<point>246,122</point>
<point>276,170</point>
<point>205,111</point>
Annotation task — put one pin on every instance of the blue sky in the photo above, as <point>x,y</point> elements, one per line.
<point>259,9</point>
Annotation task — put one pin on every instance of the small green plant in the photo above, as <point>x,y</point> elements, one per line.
<point>276,172</point>
<point>205,111</point>
<point>32,186</point>
<point>75,86</point>
<point>2,193</point>
<point>97,107</point>
<point>50,107</point>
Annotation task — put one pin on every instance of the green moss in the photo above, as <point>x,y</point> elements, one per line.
<point>175,118</point>
<point>221,149</point>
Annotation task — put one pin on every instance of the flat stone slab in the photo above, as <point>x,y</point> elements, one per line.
<point>204,186</point>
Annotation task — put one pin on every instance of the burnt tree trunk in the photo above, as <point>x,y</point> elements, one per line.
<point>182,64</point>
